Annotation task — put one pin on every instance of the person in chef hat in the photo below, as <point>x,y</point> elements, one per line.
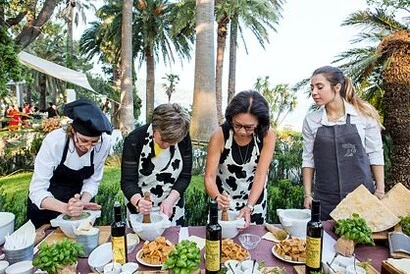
<point>69,165</point>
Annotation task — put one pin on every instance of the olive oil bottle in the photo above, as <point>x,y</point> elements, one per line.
<point>314,240</point>
<point>118,236</point>
<point>213,244</point>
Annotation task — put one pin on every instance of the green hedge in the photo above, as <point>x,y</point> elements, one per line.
<point>14,191</point>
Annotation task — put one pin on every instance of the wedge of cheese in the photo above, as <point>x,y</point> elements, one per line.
<point>368,206</point>
<point>398,200</point>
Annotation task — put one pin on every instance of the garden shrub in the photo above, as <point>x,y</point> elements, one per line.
<point>283,194</point>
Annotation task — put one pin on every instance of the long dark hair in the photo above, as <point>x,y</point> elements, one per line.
<point>252,102</point>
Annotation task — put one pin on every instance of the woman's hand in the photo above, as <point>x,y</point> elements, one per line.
<point>307,203</point>
<point>167,207</point>
<point>143,206</point>
<point>92,206</point>
<point>245,212</point>
<point>223,201</point>
<point>74,206</point>
<point>379,194</point>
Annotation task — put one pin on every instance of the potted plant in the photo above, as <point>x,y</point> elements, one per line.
<point>352,231</point>
<point>60,257</point>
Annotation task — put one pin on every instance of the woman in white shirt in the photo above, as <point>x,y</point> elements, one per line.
<point>69,165</point>
<point>342,142</point>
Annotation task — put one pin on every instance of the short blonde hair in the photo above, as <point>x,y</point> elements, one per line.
<point>172,121</point>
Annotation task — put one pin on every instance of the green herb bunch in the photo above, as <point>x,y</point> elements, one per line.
<point>405,224</point>
<point>184,258</point>
<point>60,254</point>
<point>355,229</point>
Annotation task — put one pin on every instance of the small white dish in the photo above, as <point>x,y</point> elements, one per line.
<point>99,257</point>
<point>132,241</point>
<point>23,267</point>
<point>351,269</point>
<point>248,264</point>
<point>112,268</point>
<point>233,263</point>
<point>3,266</point>
<point>129,268</point>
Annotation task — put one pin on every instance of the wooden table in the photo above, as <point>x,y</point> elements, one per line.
<point>261,253</point>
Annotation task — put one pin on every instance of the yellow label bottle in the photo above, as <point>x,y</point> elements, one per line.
<point>313,252</point>
<point>213,243</point>
<point>314,240</point>
<point>118,249</point>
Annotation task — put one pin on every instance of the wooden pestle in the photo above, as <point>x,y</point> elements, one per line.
<point>146,218</point>
<point>224,216</point>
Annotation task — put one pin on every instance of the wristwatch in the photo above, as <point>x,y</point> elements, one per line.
<point>251,207</point>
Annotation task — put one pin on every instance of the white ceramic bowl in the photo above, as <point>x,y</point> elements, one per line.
<point>231,228</point>
<point>6,225</point>
<point>99,257</point>
<point>3,266</point>
<point>68,226</point>
<point>132,241</point>
<point>294,221</point>
<point>23,267</point>
<point>149,231</point>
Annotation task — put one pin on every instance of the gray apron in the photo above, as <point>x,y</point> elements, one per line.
<point>341,165</point>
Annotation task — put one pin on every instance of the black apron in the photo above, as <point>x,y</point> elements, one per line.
<point>64,184</point>
<point>341,165</point>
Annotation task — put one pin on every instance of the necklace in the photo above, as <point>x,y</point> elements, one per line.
<point>243,158</point>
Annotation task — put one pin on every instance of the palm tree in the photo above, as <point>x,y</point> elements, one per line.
<point>383,72</point>
<point>281,99</point>
<point>127,111</point>
<point>72,10</point>
<point>170,87</point>
<point>156,38</point>
<point>204,104</point>
<point>258,16</point>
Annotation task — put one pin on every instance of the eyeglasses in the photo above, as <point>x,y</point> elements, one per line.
<point>82,140</point>
<point>248,128</point>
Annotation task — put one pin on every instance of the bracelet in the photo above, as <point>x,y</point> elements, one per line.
<point>308,195</point>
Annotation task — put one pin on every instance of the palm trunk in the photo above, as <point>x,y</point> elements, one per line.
<point>396,83</point>
<point>220,53</point>
<point>204,119</point>
<point>127,109</point>
<point>232,58</point>
<point>70,47</point>
<point>150,84</point>
<point>115,120</point>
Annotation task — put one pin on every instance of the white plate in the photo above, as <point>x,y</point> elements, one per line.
<point>141,261</point>
<point>283,259</point>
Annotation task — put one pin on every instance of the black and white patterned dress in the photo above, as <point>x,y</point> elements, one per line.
<point>236,178</point>
<point>143,171</point>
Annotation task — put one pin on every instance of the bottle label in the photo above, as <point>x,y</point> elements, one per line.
<point>213,255</point>
<point>118,249</point>
<point>313,246</point>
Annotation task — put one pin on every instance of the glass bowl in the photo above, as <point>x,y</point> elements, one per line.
<point>249,241</point>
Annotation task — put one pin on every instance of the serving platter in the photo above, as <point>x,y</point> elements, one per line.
<point>141,260</point>
<point>284,259</point>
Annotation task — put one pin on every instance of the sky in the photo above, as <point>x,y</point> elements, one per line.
<point>308,36</point>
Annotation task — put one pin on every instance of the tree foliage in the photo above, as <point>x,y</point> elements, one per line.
<point>10,66</point>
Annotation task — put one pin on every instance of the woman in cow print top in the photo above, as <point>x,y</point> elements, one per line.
<point>157,158</point>
<point>239,155</point>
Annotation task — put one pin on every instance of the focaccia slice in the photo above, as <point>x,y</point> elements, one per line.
<point>398,200</point>
<point>368,206</point>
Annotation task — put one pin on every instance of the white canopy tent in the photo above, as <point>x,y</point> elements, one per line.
<point>54,70</point>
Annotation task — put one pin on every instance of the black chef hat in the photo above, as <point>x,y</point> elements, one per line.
<point>88,119</point>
